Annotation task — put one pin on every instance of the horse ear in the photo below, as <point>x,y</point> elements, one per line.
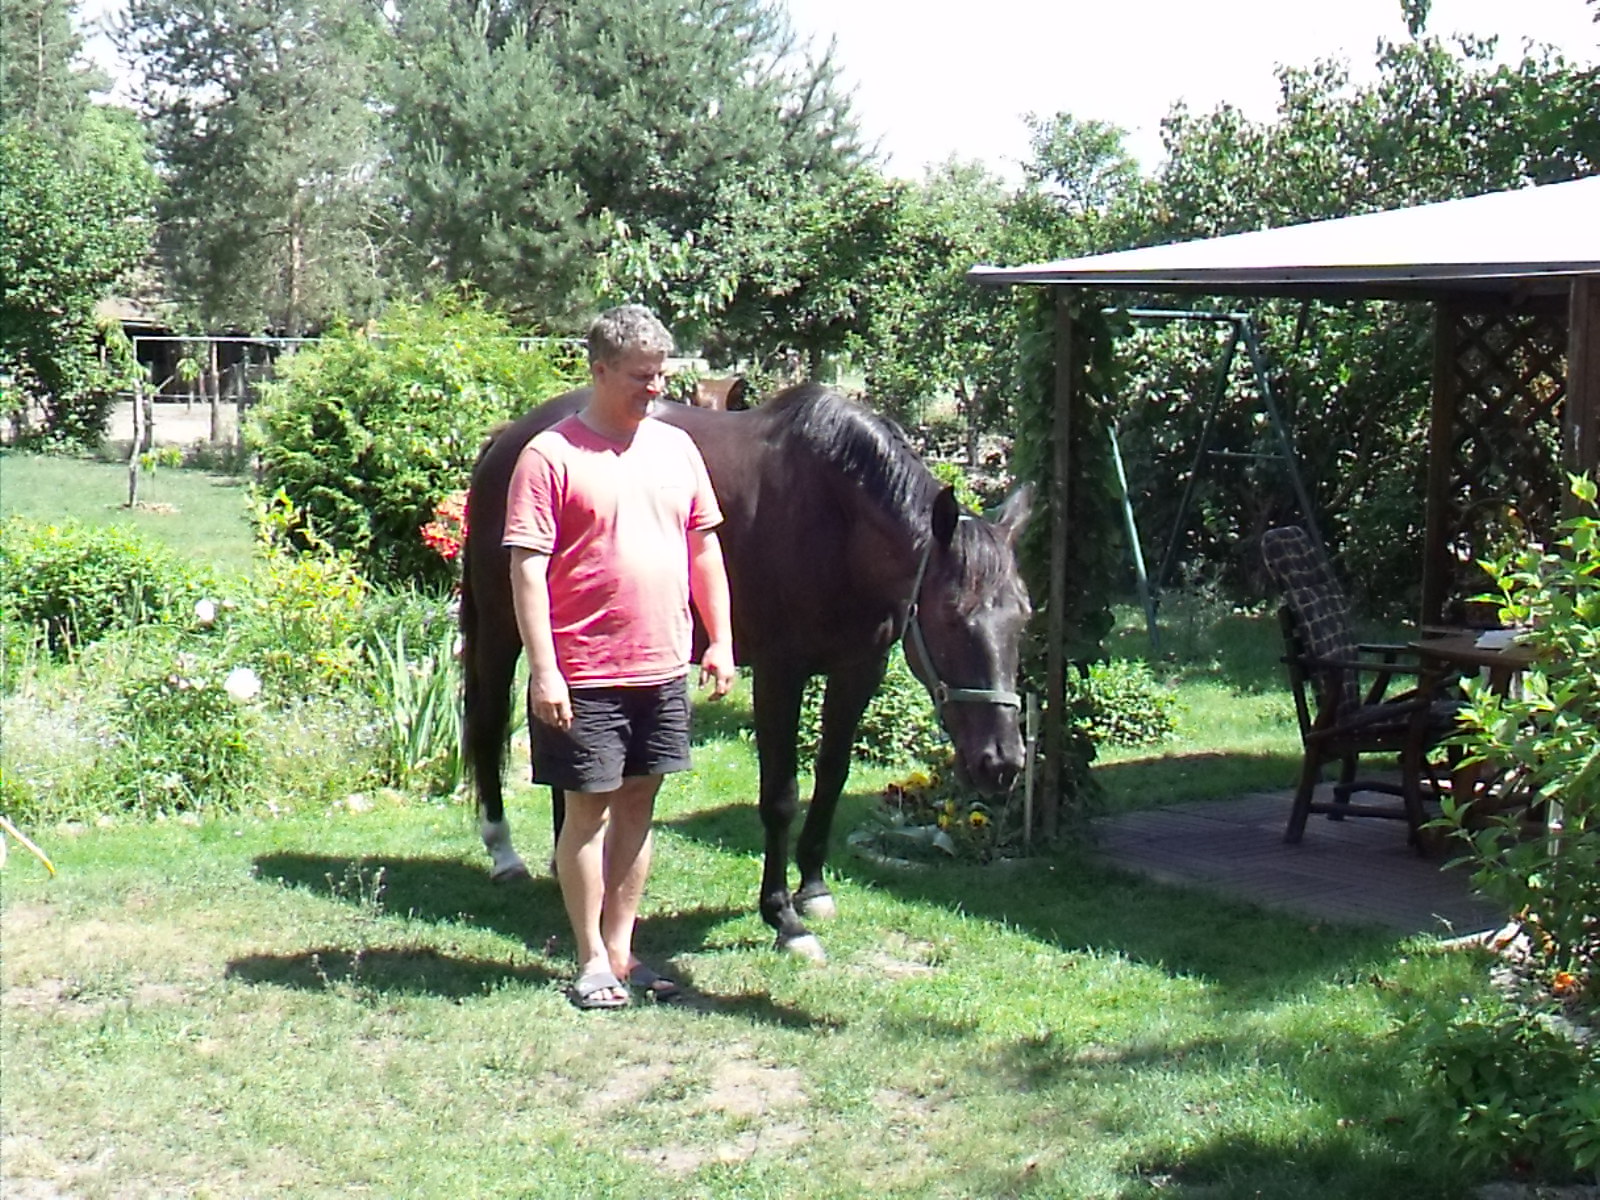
<point>946,512</point>
<point>1014,513</point>
<point>738,397</point>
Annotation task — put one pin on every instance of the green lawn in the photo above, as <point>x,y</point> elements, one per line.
<point>340,1002</point>
<point>329,998</point>
<point>197,513</point>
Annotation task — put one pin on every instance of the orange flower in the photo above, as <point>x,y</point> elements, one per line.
<point>447,532</point>
<point>1564,983</point>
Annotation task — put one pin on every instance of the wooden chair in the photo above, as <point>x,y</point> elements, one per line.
<point>1343,699</point>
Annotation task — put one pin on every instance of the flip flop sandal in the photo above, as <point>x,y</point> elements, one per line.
<point>589,991</point>
<point>652,983</point>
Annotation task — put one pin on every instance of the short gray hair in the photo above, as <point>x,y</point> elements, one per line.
<point>625,330</point>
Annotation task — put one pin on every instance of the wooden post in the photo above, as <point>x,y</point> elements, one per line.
<point>1441,463</point>
<point>133,445</point>
<point>1581,411</point>
<point>214,387</point>
<point>1056,633</point>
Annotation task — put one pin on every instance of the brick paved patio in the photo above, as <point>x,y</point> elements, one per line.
<point>1352,870</point>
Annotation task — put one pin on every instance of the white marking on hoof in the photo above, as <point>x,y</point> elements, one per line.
<point>819,907</point>
<point>806,947</point>
<point>505,864</point>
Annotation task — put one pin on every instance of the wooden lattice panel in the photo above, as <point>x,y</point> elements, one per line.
<point>1506,379</point>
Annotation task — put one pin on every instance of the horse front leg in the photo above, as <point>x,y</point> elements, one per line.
<point>776,695</point>
<point>849,692</point>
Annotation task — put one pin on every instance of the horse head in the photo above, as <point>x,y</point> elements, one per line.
<point>968,609</point>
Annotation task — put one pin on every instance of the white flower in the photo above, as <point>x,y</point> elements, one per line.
<point>242,684</point>
<point>205,611</point>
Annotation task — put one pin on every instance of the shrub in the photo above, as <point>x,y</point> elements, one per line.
<point>1542,740</point>
<point>899,728</point>
<point>64,586</point>
<point>182,737</point>
<point>1120,703</point>
<point>302,620</point>
<point>1508,1086</point>
<point>365,431</point>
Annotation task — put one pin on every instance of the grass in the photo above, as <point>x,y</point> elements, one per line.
<point>334,999</point>
<point>1236,732</point>
<point>340,1001</point>
<point>197,513</point>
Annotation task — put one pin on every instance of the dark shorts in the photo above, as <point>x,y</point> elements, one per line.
<point>617,732</point>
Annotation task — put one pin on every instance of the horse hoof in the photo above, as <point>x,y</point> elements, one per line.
<point>819,907</point>
<point>510,873</point>
<point>806,946</point>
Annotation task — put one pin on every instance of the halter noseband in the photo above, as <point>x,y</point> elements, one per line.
<point>942,692</point>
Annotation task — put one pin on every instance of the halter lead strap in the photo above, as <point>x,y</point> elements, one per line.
<point>942,692</point>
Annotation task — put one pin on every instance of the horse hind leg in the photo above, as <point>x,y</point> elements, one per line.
<point>489,669</point>
<point>848,694</point>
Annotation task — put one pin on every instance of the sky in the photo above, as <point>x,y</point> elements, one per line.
<point>933,80</point>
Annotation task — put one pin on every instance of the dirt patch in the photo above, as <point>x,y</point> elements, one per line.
<point>750,1089</point>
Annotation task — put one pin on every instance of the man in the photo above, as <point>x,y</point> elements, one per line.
<point>611,524</point>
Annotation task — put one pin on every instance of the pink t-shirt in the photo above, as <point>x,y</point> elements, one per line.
<point>614,519</point>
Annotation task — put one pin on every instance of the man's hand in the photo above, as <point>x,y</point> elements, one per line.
<point>550,700</point>
<point>716,668</point>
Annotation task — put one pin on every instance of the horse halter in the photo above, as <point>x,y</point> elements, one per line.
<point>942,692</point>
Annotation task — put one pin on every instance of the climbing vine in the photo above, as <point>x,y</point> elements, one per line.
<point>1093,545</point>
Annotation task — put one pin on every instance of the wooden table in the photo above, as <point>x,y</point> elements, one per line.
<point>1454,653</point>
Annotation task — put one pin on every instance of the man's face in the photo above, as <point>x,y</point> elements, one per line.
<point>635,380</point>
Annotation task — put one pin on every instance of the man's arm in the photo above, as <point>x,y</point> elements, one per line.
<point>530,597</point>
<point>708,587</point>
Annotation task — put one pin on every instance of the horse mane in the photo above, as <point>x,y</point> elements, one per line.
<point>874,453</point>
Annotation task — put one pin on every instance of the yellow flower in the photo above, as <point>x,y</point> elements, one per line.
<point>978,819</point>
<point>918,781</point>
<point>944,821</point>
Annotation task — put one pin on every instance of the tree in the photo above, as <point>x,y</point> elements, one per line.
<point>74,218</point>
<point>517,127</point>
<point>43,82</point>
<point>1353,379</point>
<point>266,134</point>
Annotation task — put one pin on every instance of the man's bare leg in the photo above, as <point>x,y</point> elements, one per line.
<point>580,869</point>
<point>628,845</point>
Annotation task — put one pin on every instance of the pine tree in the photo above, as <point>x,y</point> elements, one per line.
<point>266,132</point>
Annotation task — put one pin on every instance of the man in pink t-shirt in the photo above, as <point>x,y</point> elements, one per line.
<point>611,523</point>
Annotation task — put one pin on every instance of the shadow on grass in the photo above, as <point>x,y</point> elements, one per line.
<point>1075,902</point>
<point>447,891</point>
<point>407,970</point>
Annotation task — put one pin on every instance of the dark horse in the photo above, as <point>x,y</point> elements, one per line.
<point>838,542</point>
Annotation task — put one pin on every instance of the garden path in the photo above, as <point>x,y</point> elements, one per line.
<point>1359,870</point>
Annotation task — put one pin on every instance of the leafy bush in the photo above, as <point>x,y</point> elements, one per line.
<point>1542,741</point>
<point>182,737</point>
<point>1120,703</point>
<point>899,728</point>
<point>1506,1086</point>
<point>302,619</point>
<point>67,585</point>
<point>366,430</point>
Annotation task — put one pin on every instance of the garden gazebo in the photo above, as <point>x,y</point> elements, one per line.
<point>1514,282</point>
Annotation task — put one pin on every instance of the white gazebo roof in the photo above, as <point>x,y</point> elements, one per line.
<point>1530,241</point>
